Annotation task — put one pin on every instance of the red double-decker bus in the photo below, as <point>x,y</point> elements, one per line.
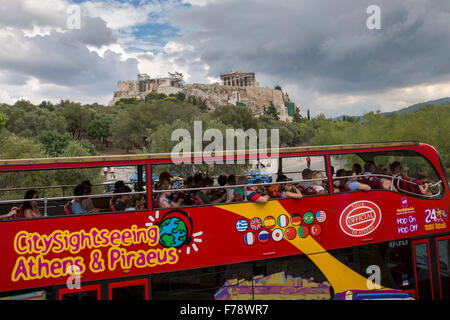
<point>371,222</point>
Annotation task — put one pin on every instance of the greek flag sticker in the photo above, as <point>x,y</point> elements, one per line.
<point>241,225</point>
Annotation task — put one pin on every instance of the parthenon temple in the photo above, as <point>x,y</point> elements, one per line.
<point>239,79</point>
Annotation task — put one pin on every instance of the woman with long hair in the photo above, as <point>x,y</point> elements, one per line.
<point>30,209</point>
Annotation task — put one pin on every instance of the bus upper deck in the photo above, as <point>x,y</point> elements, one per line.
<point>142,227</point>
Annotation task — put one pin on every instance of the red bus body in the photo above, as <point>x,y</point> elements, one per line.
<point>347,220</point>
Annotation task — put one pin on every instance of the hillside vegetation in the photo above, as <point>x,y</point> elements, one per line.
<point>72,129</point>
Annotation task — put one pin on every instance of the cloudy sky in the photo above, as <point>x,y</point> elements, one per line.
<point>321,52</point>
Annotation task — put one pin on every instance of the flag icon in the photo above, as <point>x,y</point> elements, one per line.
<point>308,217</point>
<point>290,233</point>
<point>316,229</point>
<point>263,236</point>
<point>283,220</point>
<point>277,235</point>
<point>269,222</point>
<point>296,219</point>
<point>241,225</point>
<point>249,238</point>
<point>303,232</point>
<point>321,216</point>
<point>256,224</point>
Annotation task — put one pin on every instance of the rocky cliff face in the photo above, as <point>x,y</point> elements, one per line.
<point>255,98</point>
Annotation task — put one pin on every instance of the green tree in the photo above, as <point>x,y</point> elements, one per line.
<point>54,143</point>
<point>271,112</point>
<point>3,120</point>
<point>100,130</point>
<point>77,118</point>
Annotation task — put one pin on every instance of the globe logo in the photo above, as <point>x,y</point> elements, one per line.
<point>173,232</point>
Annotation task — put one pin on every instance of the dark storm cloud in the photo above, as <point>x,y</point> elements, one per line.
<point>63,59</point>
<point>323,45</point>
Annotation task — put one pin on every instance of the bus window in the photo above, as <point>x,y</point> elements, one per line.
<point>444,266</point>
<point>424,285</point>
<point>181,185</point>
<point>388,263</point>
<point>85,293</point>
<point>210,283</point>
<point>401,171</point>
<point>290,278</point>
<point>308,172</point>
<point>129,290</point>
<point>72,191</point>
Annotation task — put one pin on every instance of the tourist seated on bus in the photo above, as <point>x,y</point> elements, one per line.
<point>306,187</point>
<point>231,181</point>
<point>205,195</point>
<point>76,207</point>
<point>30,209</point>
<point>317,185</point>
<point>254,195</point>
<point>163,200</point>
<point>12,212</point>
<point>239,192</point>
<point>222,181</point>
<point>340,184</point>
<point>165,176</point>
<point>288,190</point>
<point>400,178</point>
<point>422,184</point>
<point>357,169</point>
<point>188,196</point>
<point>122,200</point>
<point>136,203</point>
<point>87,203</point>
<point>219,192</point>
<point>117,186</point>
<point>382,170</point>
<point>369,177</point>
<point>274,190</point>
<point>198,180</point>
<point>353,183</point>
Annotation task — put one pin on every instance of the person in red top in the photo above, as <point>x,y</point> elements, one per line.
<point>254,196</point>
<point>308,162</point>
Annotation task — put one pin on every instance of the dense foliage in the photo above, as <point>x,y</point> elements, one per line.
<point>72,129</point>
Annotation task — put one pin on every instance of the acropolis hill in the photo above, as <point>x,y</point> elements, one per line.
<point>236,87</point>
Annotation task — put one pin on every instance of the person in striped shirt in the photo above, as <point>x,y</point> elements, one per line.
<point>253,195</point>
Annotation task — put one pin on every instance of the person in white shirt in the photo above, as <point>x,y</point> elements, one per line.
<point>317,184</point>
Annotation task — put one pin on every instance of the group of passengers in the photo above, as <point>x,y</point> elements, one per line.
<point>29,209</point>
<point>200,189</point>
<point>379,178</point>
<point>82,203</point>
<point>123,200</point>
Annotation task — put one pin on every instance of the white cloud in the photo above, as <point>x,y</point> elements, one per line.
<point>44,61</point>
